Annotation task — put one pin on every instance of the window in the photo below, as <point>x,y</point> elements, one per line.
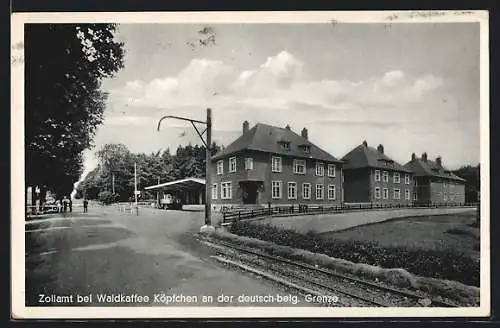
<point>292,190</point>
<point>306,149</point>
<point>415,195</point>
<point>331,170</point>
<point>396,178</point>
<point>232,164</point>
<point>299,166</point>
<point>286,145</point>
<point>220,167</point>
<point>377,193</point>
<point>320,169</point>
<point>397,194</point>
<point>331,191</point>
<point>385,195</point>
<point>226,190</point>
<point>276,164</point>
<point>385,176</point>
<point>306,190</point>
<point>214,191</point>
<point>249,163</point>
<point>377,175</point>
<point>407,194</point>
<point>276,189</point>
<point>319,191</point>
<point>407,179</point>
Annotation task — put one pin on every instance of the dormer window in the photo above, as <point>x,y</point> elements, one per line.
<point>284,144</point>
<point>305,148</point>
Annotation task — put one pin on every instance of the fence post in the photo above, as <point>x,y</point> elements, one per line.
<point>239,215</point>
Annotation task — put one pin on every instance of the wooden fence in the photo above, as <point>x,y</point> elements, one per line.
<point>230,216</point>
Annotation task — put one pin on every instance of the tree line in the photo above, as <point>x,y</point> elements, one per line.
<point>113,178</point>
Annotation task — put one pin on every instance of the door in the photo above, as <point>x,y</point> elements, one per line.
<point>250,192</point>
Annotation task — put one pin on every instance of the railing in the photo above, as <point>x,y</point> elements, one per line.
<point>231,216</point>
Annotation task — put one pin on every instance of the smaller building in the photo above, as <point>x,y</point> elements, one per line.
<point>434,183</point>
<point>370,176</point>
<point>174,194</point>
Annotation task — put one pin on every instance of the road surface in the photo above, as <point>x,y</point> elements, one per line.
<point>107,257</point>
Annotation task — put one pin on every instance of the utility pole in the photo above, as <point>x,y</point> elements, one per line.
<point>135,189</point>
<point>113,183</point>
<point>208,178</point>
<point>208,156</point>
<point>158,195</point>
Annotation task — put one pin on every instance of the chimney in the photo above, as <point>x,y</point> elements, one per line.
<point>380,149</point>
<point>424,157</point>
<point>288,127</point>
<point>365,143</point>
<point>413,156</point>
<point>304,133</point>
<point>438,161</point>
<point>245,127</point>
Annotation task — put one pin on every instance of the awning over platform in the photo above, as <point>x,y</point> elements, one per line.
<point>179,185</point>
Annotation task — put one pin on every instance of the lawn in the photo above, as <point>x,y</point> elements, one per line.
<point>453,232</point>
<point>439,246</point>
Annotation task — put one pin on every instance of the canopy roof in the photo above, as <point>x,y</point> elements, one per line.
<point>183,184</point>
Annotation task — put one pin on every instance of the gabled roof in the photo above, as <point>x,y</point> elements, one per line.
<point>365,156</point>
<point>267,138</point>
<point>427,167</point>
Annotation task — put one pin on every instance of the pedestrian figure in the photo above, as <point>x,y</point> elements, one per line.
<point>85,205</point>
<point>70,204</point>
<point>65,204</point>
<point>58,204</point>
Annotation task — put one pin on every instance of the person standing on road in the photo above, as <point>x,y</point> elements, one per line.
<point>58,204</point>
<point>70,204</point>
<point>65,204</point>
<point>85,205</point>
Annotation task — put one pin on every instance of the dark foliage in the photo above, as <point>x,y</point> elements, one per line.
<point>116,160</point>
<point>472,185</point>
<point>64,67</point>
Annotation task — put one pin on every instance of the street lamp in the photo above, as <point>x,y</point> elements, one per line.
<point>207,143</point>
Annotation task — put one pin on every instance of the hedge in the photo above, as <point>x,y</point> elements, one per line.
<point>429,263</point>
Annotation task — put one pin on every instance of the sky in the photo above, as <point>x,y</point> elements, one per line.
<point>413,87</point>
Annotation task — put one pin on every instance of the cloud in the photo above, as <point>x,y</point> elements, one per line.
<point>279,92</point>
<point>276,84</point>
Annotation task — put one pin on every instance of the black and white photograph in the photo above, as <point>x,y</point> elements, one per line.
<point>298,164</point>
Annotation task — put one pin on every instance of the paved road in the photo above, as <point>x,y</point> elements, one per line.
<point>335,222</point>
<point>109,252</point>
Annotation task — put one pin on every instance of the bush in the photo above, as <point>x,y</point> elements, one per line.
<point>107,197</point>
<point>430,263</point>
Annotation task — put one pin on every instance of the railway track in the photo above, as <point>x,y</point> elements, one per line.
<point>319,282</point>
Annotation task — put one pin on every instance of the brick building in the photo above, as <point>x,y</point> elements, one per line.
<point>275,166</point>
<point>434,183</point>
<point>371,176</point>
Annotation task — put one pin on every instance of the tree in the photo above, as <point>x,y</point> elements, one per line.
<point>64,67</point>
<point>117,160</point>
<point>473,182</point>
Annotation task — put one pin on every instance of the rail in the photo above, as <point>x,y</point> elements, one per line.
<point>231,216</point>
<point>330,280</point>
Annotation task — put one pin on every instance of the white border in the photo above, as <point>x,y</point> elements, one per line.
<point>19,310</point>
